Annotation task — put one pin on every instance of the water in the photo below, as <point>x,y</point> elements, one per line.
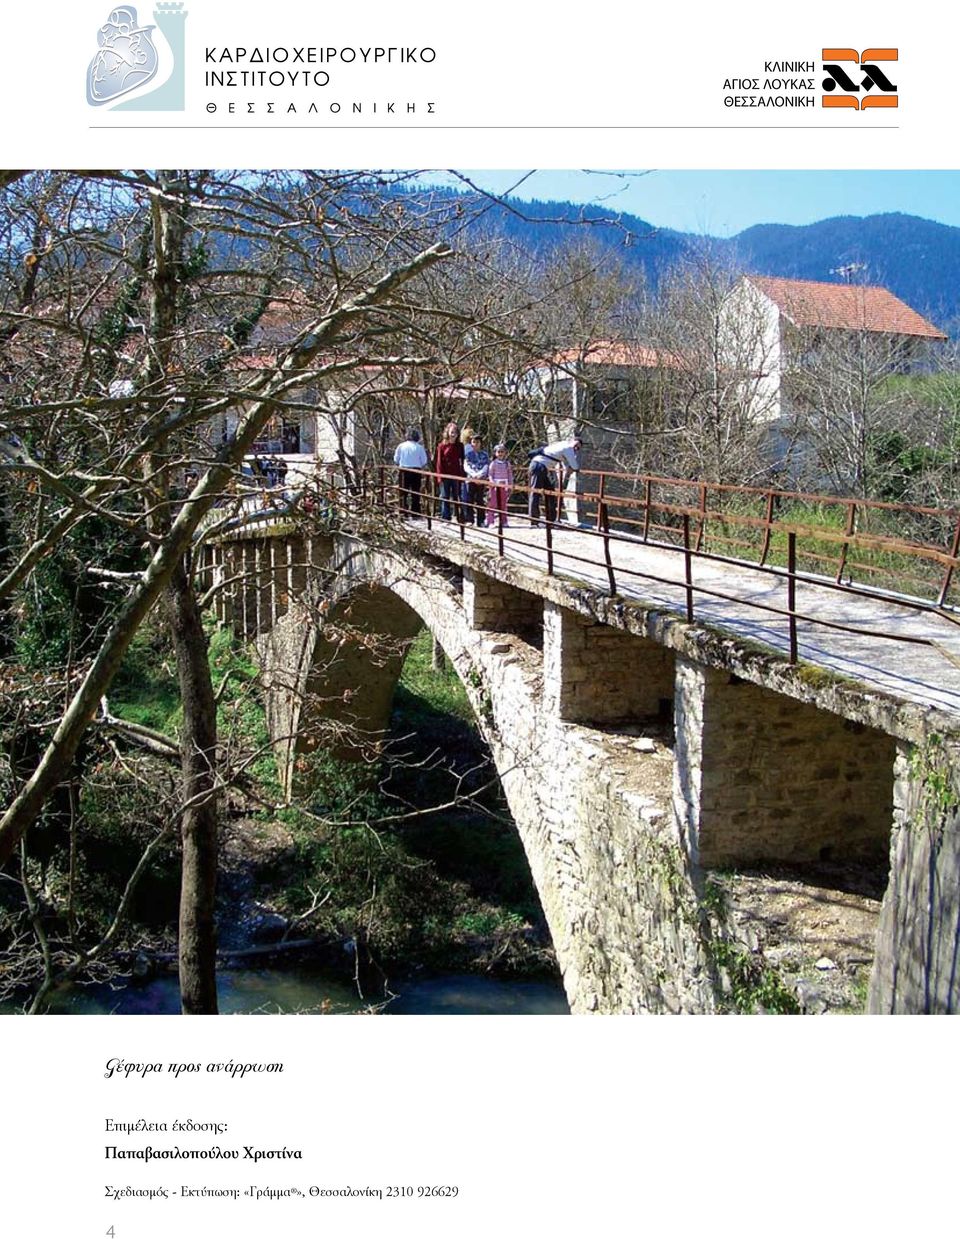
<point>270,991</point>
<point>475,995</point>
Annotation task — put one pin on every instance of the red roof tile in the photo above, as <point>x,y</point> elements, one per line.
<point>849,307</point>
<point>626,353</point>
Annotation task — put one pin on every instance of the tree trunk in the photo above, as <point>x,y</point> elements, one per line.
<point>167,558</point>
<point>198,758</point>
<point>6,624</point>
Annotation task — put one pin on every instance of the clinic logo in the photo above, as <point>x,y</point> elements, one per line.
<point>131,55</point>
<point>852,77</point>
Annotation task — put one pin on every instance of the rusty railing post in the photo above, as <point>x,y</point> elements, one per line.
<point>792,592</point>
<point>688,566</point>
<point>548,525</point>
<point>768,530</point>
<point>604,517</point>
<point>647,492</point>
<point>601,492</point>
<point>948,575</point>
<point>851,524</point>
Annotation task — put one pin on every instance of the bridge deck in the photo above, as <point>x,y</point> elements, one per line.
<point>927,675</point>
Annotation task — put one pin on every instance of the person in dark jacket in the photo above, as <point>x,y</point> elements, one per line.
<point>448,466</point>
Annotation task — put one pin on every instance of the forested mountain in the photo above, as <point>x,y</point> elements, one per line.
<point>915,258</point>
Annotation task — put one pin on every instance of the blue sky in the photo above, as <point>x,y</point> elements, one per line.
<point>724,203</point>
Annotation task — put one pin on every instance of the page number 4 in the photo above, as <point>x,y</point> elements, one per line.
<point>111,1233</point>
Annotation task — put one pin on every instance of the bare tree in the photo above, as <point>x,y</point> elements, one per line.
<point>715,360</point>
<point>120,349</point>
<point>859,415</point>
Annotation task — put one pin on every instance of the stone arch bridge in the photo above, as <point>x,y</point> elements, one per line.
<point>771,764</point>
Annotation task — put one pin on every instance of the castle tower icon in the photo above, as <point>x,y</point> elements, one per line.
<point>168,97</point>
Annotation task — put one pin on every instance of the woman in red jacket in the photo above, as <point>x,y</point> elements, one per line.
<point>448,465</point>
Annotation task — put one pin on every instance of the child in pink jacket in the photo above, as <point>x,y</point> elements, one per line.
<point>500,477</point>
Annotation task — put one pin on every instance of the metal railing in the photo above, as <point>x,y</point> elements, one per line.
<point>849,546</point>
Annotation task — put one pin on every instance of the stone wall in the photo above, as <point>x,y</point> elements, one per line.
<point>917,963</point>
<point>500,606</point>
<point>594,673</point>
<point>761,778</point>
<point>615,883</point>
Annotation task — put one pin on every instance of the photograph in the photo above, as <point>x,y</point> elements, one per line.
<point>424,596</point>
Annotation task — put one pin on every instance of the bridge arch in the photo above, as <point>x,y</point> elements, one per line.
<point>769,763</point>
<point>333,660</point>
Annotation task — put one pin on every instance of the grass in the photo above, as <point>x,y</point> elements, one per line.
<point>443,888</point>
<point>476,843</point>
<point>147,691</point>
<point>423,692</point>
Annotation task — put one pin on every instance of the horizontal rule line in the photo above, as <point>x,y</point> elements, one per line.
<point>567,128</point>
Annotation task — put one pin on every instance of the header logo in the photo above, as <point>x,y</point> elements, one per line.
<point>129,58</point>
<point>870,75</point>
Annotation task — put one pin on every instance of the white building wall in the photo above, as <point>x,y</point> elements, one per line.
<point>753,317</point>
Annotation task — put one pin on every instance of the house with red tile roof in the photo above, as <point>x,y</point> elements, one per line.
<point>599,381</point>
<point>357,412</point>
<point>801,316</point>
<point>844,307</point>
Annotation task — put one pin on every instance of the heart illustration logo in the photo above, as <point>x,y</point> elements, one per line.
<point>126,59</point>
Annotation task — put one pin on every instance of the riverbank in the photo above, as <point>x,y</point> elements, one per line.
<point>416,872</point>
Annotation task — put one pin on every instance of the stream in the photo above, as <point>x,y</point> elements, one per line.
<point>272,991</point>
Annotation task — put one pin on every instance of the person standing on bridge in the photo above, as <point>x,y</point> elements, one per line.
<point>448,466</point>
<point>410,458</point>
<point>501,483</point>
<point>476,462</point>
<point>562,456</point>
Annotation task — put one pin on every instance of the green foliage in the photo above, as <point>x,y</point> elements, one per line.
<point>241,718</point>
<point>900,464</point>
<point>426,692</point>
<point>485,922</point>
<point>114,323</point>
<point>145,689</point>
<point>449,888</point>
<point>379,894</point>
<point>754,984</point>
<point>714,899</point>
<point>122,810</point>
<point>475,842</point>
<point>861,995</point>
<point>936,392</point>
<point>196,261</point>
<point>65,612</point>
<point>931,766</point>
<point>819,553</point>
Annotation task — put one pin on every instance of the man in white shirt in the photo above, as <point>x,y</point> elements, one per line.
<point>564,456</point>
<point>411,458</point>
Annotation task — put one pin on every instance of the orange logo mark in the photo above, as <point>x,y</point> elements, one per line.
<point>835,60</point>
